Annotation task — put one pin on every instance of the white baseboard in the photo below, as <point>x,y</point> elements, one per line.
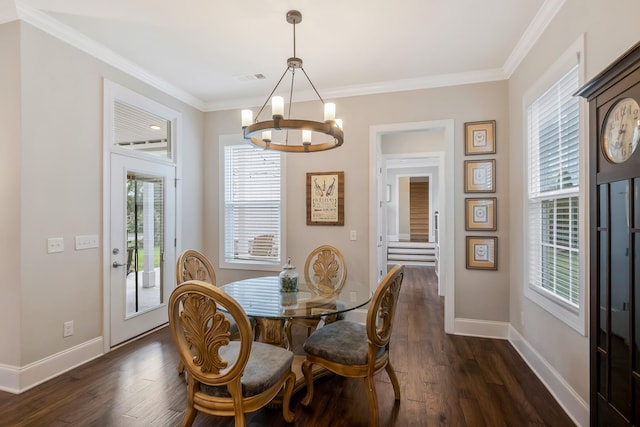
<point>481,328</point>
<point>14,379</point>
<point>575,407</point>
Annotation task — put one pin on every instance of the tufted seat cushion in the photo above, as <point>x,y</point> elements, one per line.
<point>343,342</point>
<point>266,366</point>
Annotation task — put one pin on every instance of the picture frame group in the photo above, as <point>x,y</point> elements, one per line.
<point>481,213</point>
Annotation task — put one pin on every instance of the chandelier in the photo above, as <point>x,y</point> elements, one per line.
<point>309,135</point>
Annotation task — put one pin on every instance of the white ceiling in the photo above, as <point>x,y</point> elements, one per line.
<point>201,51</point>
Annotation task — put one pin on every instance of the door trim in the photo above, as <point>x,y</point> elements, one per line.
<point>447,214</point>
<point>112,92</point>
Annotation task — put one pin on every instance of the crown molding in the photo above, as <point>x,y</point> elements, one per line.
<point>14,9</point>
<point>8,11</point>
<point>74,38</point>
<point>428,82</point>
<point>531,35</point>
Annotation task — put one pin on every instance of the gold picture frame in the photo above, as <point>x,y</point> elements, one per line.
<point>481,214</point>
<point>480,138</point>
<point>482,253</point>
<point>325,198</point>
<point>480,176</point>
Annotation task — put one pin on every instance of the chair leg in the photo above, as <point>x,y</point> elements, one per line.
<point>180,367</point>
<point>394,379</point>
<point>373,401</point>
<point>286,399</point>
<point>188,417</point>
<point>308,377</point>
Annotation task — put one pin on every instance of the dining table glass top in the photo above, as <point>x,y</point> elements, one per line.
<point>261,297</point>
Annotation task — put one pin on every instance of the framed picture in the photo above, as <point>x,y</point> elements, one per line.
<point>325,198</point>
<point>482,253</point>
<point>480,138</point>
<point>480,176</point>
<point>480,214</point>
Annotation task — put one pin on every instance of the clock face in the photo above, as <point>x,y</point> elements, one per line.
<point>621,130</point>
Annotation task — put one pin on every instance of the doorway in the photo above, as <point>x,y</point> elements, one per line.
<point>140,213</point>
<point>378,194</point>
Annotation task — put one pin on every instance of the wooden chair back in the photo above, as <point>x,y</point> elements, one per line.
<point>193,265</point>
<point>325,270</point>
<point>382,309</point>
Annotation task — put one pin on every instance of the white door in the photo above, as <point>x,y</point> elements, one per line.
<point>142,239</point>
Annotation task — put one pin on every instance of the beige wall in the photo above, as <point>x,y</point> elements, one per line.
<point>479,294</point>
<point>10,189</point>
<point>60,185</point>
<point>563,348</point>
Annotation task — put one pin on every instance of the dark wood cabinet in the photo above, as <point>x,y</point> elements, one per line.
<point>614,218</point>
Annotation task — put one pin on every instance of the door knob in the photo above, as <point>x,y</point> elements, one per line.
<point>116,264</point>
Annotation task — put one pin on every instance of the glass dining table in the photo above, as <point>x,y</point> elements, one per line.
<point>262,300</point>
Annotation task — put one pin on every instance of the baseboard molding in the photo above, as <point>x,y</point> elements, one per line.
<point>575,407</point>
<point>16,380</point>
<point>481,328</point>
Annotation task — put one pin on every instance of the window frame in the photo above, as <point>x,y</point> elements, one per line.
<point>248,264</point>
<point>575,317</point>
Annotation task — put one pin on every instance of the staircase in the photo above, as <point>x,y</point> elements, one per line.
<point>412,253</point>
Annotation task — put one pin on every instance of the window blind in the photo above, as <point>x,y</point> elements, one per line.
<point>554,176</point>
<point>252,204</point>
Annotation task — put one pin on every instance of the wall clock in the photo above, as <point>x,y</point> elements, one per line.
<point>621,130</point>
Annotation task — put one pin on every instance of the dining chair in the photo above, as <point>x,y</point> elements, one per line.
<point>194,265</point>
<point>225,377</point>
<point>355,350</point>
<point>325,273</point>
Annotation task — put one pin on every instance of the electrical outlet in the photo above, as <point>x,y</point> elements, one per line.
<point>55,244</point>
<point>87,242</point>
<point>353,235</point>
<point>68,329</point>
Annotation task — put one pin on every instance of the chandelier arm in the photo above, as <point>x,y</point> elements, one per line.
<point>311,83</point>
<point>269,97</point>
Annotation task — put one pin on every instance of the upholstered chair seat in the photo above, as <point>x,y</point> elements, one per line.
<point>342,342</point>
<point>267,364</point>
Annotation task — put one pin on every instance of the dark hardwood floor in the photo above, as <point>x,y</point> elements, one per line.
<point>445,381</point>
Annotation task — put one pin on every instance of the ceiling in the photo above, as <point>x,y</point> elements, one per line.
<point>207,52</point>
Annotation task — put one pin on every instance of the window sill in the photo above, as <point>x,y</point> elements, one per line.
<point>256,263</point>
<point>572,316</point>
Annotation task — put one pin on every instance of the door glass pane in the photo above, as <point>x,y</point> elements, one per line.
<point>145,242</point>
<point>620,363</point>
<point>603,303</point>
<point>139,130</point>
<point>603,191</point>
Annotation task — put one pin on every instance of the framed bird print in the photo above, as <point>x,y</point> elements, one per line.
<point>325,198</point>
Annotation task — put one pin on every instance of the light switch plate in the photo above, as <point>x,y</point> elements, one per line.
<point>353,235</point>
<point>87,242</point>
<point>55,244</point>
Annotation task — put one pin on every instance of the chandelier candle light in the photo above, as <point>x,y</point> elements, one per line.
<point>260,133</point>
